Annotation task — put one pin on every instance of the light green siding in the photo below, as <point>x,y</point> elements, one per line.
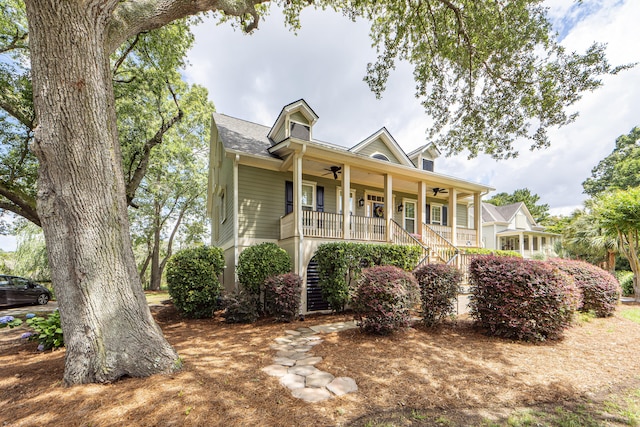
<point>261,202</point>
<point>299,117</point>
<point>225,229</point>
<point>378,146</point>
<point>280,135</point>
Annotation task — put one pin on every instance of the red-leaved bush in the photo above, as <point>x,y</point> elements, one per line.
<point>600,290</point>
<point>521,299</point>
<point>439,288</point>
<point>383,298</point>
<point>282,296</point>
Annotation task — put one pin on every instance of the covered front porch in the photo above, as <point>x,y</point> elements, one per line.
<point>529,244</point>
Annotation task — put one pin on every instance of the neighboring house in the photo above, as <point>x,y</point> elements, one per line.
<point>279,184</point>
<point>511,227</point>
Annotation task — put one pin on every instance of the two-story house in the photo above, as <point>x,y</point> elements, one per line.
<point>511,227</point>
<point>279,184</point>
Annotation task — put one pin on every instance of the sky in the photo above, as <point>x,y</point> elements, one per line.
<point>253,76</point>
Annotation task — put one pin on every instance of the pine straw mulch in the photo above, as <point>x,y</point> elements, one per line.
<point>454,370</point>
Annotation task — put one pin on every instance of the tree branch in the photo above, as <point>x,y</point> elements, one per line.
<point>125,54</point>
<point>19,203</point>
<point>19,41</point>
<point>15,113</point>
<point>132,17</point>
<point>143,165</point>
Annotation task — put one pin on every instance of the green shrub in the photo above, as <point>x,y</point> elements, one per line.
<point>383,299</point>
<point>340,265</point>
<point>259,262</point>
<point>600,290</point>
<point>625,278</point>
<point>521,299</point>
<point>241,307</point>
<point>439,289</point>
<point>47,332</point>
<point>192,277</point>
<point>282,295</point>
<point>496,252</point>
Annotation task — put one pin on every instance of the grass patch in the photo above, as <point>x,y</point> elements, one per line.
<point>156,297</point>
<point>632,314</point>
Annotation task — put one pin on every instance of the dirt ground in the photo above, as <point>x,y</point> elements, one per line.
<point>454,371</point>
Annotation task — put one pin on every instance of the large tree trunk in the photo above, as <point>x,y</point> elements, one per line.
<point>108,329</point>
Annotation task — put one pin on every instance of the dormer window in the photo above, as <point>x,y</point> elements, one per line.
<point>427,165</point>
<point>380,156</point>
<point>300,131</point>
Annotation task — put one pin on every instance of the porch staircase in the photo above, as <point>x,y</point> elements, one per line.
<point>400,236</point>
<point>441,250</point>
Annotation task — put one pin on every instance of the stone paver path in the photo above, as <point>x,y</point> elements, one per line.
<point>294,364</point>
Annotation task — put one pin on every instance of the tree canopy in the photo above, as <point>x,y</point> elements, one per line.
<point>618,213</point>
<point>148,90</point>
<point>539,211</point>
<point>620,169</point>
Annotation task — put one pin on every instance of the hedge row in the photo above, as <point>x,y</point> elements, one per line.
<point>340,265</point>
<point>521,299</point>
<point>600,289</point>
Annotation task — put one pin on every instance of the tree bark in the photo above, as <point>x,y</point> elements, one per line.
<point>108,329</point>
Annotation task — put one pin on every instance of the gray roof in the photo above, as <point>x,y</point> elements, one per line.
<point>493,213</point>
<point>243,136</point>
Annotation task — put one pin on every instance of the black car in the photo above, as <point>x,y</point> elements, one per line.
<point>18,290</point>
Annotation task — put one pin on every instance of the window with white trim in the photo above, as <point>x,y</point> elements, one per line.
<point>300,131</point>
<point>352,197</point>
<point>436,214</point>
<point>222,207</point>
<point>308,196</point>
<point>409,213</point>
<point>380,156</point>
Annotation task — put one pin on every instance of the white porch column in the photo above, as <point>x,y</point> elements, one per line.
<point>477,218</point>
<point>346,198</point>
<point>522,244</point>
<point>297,211</point>
<point>388,205</point>
<point>453,215</point>
<point>422,201</point>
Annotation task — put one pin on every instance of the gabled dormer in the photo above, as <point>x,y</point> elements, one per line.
<point>296,120</point>
<point>382,146</point>
<point>425,156</point>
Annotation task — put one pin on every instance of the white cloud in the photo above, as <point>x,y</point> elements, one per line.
<point>253,77</point>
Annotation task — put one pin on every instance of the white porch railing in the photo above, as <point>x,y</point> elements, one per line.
<point>400,236</point>
<point>438,245</point>
<point>329,225</point>
<point>322,224</point>
<point>287,226</point>
<point>464,236</point>
<point>368,228</point>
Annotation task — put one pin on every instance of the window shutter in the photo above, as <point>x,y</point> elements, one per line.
<point>288,197</point>
<point>428,212</point>
<point>320,198</point>
<point>445,215</point>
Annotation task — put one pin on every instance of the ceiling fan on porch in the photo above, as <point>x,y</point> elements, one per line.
<point>437,190</point>
<point>335,170</point>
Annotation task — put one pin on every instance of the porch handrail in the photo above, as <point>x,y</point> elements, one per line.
<point>438,245</point>
<point>400,236</point>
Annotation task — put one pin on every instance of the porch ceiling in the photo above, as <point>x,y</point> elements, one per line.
<point>375,179</point>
